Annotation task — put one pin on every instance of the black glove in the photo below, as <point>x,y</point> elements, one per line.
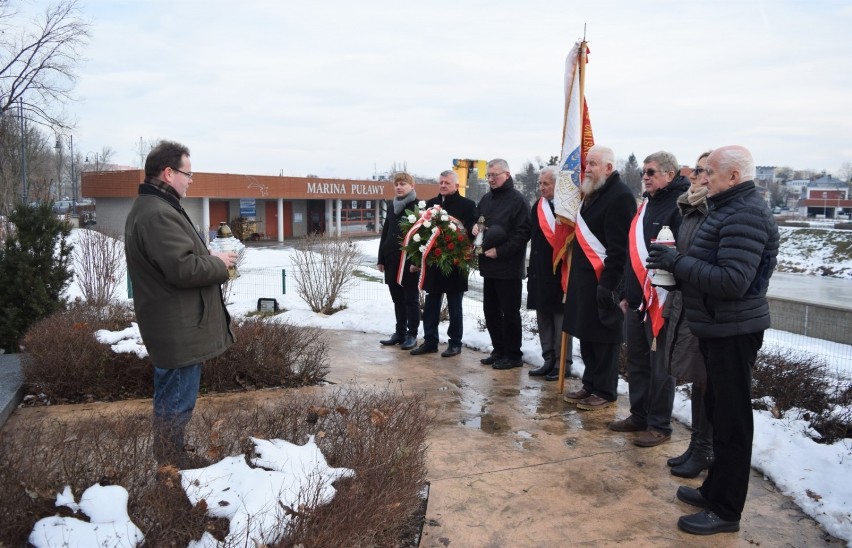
<point>662,257</point>
<point>605,298</point>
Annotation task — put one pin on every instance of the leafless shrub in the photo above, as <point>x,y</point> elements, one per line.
<point>64,363</point>
<point>325,267</point>
<point>380,435</point>
<point>799,380</point>
<point>98,262</point>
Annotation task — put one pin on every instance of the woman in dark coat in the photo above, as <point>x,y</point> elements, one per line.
<point>405,295</point>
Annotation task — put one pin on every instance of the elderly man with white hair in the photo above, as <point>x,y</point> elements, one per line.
<point>724,276</point>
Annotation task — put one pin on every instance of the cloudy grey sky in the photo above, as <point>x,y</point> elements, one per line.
<point>340,88</point>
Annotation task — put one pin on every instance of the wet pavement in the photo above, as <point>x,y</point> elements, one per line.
<point>511,464</point>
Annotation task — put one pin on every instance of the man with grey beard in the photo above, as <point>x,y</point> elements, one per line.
<point>592,312</point>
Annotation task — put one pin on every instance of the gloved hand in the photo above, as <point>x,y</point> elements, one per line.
<point>605,298</point>
<point>662,257</point>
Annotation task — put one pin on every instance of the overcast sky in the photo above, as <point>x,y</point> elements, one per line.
<point>344,89</point>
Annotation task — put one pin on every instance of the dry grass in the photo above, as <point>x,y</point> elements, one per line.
<point>379,435</point>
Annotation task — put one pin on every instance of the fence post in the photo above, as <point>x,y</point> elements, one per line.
<point>284,281</point>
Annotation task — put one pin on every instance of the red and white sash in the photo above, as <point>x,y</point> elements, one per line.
<point>555,233</point>
<point>592,248</point>
<point>653,296</point>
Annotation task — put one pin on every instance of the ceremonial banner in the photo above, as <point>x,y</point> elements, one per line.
<point>577,139</point>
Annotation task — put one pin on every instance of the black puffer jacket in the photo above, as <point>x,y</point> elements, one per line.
<point>661,210</point>
<point>725,273</point>
<point>507,217</point>
<point>463,209</point>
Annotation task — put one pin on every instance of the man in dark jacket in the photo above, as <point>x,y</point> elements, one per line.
<point>651,384</point>
<point>724,277</point>
<point>177,294</point>
<point>437,284</point>
<point>502,263</point>
<point>544,285</point>
<point>599,253</point>
<point>400,275</point>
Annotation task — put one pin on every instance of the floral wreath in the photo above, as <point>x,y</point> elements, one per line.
<point>434,238</point>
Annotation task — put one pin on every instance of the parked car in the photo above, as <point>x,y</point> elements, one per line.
<point>62,206</point>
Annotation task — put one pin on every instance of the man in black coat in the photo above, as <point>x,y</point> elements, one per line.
<point>437,284</point>
<point>544,286</point>
<point>724,277</point>
<point>652,385</point>
<point>502,264</point>
<point>599,253</point>
<point>404,292</point>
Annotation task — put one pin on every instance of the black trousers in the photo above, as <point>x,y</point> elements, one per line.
<point>501,303</point>
<point>406,308</point>
<point>729,362</point>
<point>601,374</point>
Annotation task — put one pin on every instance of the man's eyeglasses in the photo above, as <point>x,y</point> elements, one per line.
<point>650,172</point>
<point>698,170</point>
<point>188,174</point>
<point>494,175</point>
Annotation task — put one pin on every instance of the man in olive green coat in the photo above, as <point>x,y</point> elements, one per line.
<point>177,294</point>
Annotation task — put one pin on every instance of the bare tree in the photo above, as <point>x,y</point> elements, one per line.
<point>38,60</point>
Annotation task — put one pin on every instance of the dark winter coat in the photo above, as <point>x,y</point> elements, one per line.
<point>507,221</point>
<point>176,283</point>
<point>725,273</point>
<point>544,288</point>
<point>390,247</point>
<point>608,213</point>
<point>685,360</point>
<point>660,210</point>
<point>463,209</point>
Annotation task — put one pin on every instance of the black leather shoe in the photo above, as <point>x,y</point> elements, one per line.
<point>507,363</point>
<point>489,360</point>
<point>396,338</point>
<point>691,496</point>
<point>707,522</point>
<point>452,350</point>
<point>544,369</point>
<point>554,374</point>
<point>409,342</point>
<point>693,466</point>
<point>680,459</point>
<point>425,348</point>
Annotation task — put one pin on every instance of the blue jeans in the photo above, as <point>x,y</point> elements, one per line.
<point>432,317</point>
<point>175,392</point>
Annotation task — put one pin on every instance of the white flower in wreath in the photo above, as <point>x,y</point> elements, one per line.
<point>453,226</point>
<point>416,238</point>
<point>421,204</point>
<point>427,224</point>
<point>434,230</point>
<point>422,249</point>
<point>412,219</point>
<point>445,218</point>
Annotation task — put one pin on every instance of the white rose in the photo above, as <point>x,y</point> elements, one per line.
<point>445,218</point>
<point>422,249</point>
<point>421,204</point>
<point>412,219</point>
<point>416,237</point>
<point>427,224</point>
<point>452,226</point>
<point>434,230</point>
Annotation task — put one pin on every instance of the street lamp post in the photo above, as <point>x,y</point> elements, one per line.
<point>73,175</point>
<point>97,162</point>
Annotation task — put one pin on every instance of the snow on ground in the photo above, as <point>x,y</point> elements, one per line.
<point>784,450</point>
